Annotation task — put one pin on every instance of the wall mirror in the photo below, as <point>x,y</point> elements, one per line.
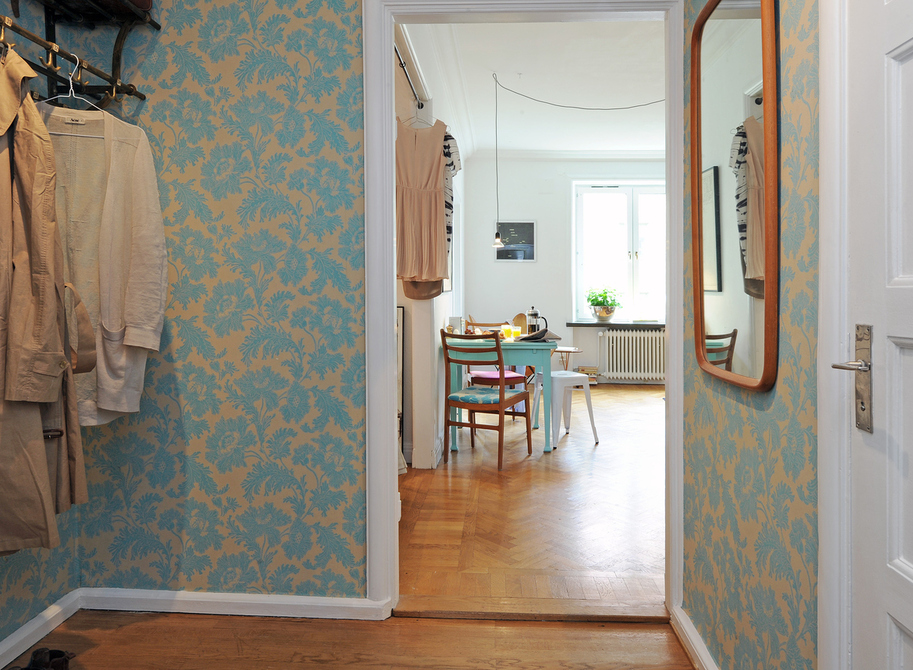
<point>734,150</point>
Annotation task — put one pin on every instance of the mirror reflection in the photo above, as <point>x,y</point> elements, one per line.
<point>732,189</point>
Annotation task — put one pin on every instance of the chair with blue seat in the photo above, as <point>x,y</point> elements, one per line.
<point>483,349</point>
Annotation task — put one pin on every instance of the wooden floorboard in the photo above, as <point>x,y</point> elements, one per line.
<point>561,546</point>
<point>575,534</point>
<point>150,641</point>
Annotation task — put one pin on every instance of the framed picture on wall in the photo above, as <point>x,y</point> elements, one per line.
<point>519,238</point>
<point>710,221</point>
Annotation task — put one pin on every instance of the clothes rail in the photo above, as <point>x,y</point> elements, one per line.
<point>402,64</point>
<point>53,49</point>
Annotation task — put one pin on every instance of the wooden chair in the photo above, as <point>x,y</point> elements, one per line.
<point>490,377</point>
<point>722,355</point>
<point>480,350</point>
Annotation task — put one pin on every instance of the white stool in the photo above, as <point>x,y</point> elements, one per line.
<point>563,383</point>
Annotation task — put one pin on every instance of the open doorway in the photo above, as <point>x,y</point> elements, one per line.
<point>581,531</point>
<point>380,17</point>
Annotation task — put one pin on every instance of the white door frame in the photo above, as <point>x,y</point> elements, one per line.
<point>834,338</point>
<point>382,496</point>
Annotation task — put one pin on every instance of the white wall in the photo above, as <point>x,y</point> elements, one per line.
<point>733,70</point>
<point>536,187</point>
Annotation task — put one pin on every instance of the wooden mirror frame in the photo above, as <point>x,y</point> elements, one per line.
<point>771,201</point>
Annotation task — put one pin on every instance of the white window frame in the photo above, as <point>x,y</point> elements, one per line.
<point>633,188</point>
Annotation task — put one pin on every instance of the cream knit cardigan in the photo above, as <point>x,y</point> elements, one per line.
<point>113,236</point>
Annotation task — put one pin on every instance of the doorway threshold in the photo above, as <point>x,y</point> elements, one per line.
<point>526,609</point>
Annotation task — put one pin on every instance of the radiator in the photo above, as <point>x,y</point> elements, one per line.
<point>633,355</point>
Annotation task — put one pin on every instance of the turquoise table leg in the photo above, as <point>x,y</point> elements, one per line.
<point>547,397</point>
<point>456,376</point>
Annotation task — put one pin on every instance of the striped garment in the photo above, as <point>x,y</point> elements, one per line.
<point>737,155</point>
<point>451,167</point>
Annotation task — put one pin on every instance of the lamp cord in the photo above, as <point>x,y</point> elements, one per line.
<point>555,104</point>
<point>497,166</point>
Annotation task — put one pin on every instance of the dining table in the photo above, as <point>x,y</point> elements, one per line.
<point>517,353</point>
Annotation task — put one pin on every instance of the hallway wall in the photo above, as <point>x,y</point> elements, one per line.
<point>245,469</point>
<point>750,497</point>
<point>536,186</point>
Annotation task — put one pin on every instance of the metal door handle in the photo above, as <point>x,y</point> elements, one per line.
<point>853,366</point>
<point>863,382</point>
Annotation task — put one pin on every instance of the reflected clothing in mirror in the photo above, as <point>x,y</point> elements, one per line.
<point>747,163</point>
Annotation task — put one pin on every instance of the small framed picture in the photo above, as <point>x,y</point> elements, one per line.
<point>519,239</point>
<point>710,222</point>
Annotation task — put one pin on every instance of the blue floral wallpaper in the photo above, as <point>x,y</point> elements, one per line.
<point>750,517</point>
<point>245,469</point>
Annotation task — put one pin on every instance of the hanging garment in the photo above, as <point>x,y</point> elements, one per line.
<point>737,155</point>
<point>754,173</point>
<point>738,161</point>
<point>421,240</point>
<point>114,237</point>
<point>451,167</point>
<point>38,477</point>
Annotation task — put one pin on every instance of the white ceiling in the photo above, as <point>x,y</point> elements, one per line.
<point>597,64</point>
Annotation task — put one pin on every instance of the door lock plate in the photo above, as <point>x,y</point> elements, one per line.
<point>864,378</point>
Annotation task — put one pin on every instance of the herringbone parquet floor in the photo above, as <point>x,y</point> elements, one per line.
<point>575,534</point>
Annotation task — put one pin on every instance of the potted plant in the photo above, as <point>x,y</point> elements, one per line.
<point>603,302</point>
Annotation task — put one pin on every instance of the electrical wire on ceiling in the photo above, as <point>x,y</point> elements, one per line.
<point>586,109</point>
<point>498,84</point>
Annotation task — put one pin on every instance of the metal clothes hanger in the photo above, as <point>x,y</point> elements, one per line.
<point>72,94</point>
<point>414,119</point>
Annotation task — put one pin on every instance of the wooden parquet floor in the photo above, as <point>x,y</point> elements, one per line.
<point>575,534</point>
<point>150,641</point>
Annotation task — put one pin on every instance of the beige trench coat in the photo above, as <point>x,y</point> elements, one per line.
<point>38,477</point>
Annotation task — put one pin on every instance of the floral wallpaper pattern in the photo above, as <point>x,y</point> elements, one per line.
<point>244,471</point>
<point>751,539</point>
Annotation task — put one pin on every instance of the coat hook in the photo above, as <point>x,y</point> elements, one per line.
<point>49,63</point>
<point>3,25</point>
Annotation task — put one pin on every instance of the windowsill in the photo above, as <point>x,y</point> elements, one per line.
<point>615,323</point>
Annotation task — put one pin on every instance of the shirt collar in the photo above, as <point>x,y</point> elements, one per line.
<point>13,70</point>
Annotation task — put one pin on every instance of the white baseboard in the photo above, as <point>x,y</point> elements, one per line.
<point>691,640</point>
<point>28,634</point>
<point>237,604</point>
<point>190,602</point>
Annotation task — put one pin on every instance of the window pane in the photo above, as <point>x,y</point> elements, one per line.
<point>602,244</point>
<point>651,257</point>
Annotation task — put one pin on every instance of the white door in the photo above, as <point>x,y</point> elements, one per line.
<point>879,198</point>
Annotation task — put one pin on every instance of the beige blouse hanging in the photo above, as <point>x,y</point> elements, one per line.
<point>421,240</point>
<point>754,247</point>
